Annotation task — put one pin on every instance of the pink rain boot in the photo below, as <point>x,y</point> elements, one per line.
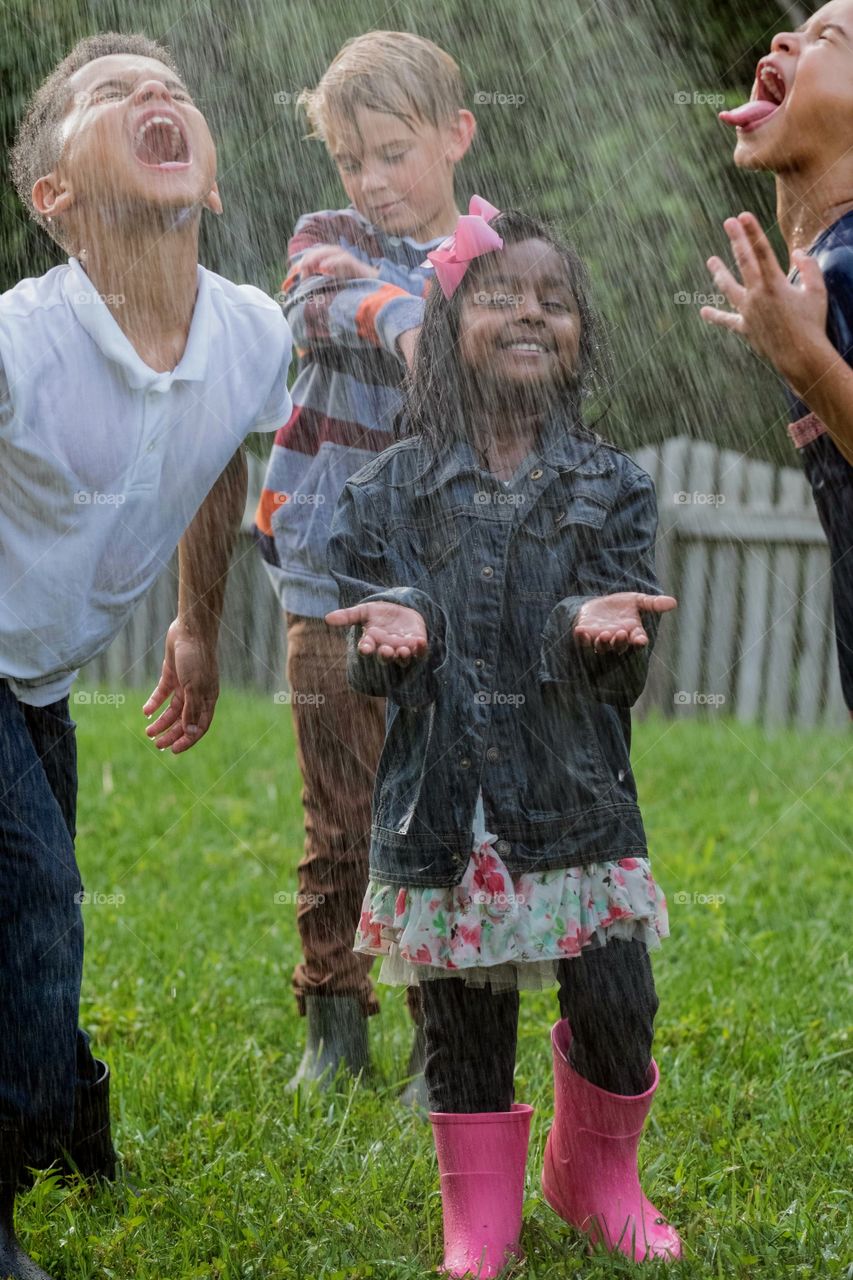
<point>590,1173</point>
<point>481,1159</point>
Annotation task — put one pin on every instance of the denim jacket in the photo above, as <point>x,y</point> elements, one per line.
<point>504,699</point>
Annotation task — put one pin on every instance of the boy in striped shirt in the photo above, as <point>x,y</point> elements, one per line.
<point>390,111</point>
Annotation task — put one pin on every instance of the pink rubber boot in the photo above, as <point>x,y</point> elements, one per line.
<point>481,1159</point>
<point>590,1173</point>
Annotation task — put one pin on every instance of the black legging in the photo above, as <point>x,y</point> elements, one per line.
<point>608,995</point>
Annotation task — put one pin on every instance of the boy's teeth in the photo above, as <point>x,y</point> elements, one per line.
<point>162,122</point>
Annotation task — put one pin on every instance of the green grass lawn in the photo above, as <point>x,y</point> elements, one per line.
<point>187,995</point>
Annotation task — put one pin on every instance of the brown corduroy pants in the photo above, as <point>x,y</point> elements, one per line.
<point>339,737</point>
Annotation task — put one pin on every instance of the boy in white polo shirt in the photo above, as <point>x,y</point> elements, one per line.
<point>128,380</point>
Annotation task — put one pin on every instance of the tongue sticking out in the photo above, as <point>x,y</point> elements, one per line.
<point>750,113</point>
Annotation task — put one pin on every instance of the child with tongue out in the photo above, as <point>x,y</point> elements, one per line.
<point>129,377</point>
<point>798,124</point>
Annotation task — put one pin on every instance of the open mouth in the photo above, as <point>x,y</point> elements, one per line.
<point>160,143</point>
<point>768,94</point>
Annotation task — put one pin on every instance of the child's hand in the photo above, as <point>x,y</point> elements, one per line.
<point>391,631</point>
<point>612,623</point>
<point>782,322</point>
<point>332,260</point>
<point>191,675</point>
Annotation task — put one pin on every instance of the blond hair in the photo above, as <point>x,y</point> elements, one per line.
<point>395,72</point>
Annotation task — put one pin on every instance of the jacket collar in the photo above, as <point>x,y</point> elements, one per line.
<point>564,446</point>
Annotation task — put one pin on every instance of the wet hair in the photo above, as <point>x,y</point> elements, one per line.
<point>38,145</point>
<point>401,74</point>
<point>435,403</point>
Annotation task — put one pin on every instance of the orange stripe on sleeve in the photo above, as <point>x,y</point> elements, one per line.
<point>270,501</point>
<point>369,308</point>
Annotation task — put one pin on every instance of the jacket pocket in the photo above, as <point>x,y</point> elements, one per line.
<point>438,545</point>
<point>435,546</point>
<point>551,545</point>
<point>584,754</point>
<point>548,520</point>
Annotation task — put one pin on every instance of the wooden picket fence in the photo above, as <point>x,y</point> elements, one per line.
<point>740,545</point>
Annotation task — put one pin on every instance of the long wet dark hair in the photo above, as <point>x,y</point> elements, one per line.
<point>435,390</point>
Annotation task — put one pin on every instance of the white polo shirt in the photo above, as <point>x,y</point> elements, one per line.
<point>104,461</point>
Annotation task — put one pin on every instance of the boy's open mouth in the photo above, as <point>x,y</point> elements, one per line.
<point>768,94</point>
<point>160,143</point>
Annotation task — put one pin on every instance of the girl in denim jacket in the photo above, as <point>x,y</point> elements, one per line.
<point>496,568</point>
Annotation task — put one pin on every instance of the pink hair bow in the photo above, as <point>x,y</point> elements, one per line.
<point>472,238</point>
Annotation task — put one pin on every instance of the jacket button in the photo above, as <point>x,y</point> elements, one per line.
<point>464,763</point>
<point>537,474</point>
<point>478,662</point>
<point>503,846</point>
<point>493,754</point>
<point>487,571</point>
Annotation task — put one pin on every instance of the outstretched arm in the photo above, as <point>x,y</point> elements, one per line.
<point>332,297</point>
<point>605,634</point>
<point>401,649</point>
<point>615,623</point>
<point>190,667</point>
<point>391,632</point>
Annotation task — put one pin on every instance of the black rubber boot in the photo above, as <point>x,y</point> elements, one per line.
<point>337,1035</point>
<point>415,1093</point>
<point>91,1153</point>
<point>14,1263</point>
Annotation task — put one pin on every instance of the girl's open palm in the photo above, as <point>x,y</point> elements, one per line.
<point>391,631</point>
<point>613,623</point>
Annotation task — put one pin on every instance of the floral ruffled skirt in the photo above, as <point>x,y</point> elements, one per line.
<point>509,931</point>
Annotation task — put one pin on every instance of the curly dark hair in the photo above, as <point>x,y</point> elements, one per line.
<point>435,406</point>
<point>37,145</point>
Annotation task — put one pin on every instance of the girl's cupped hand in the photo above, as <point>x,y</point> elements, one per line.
<point>613,623</point>
<point>390,631</point>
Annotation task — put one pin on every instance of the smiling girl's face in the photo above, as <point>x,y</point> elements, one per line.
<point>519,326</point>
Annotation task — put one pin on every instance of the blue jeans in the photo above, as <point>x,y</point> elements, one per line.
<point>831,478</point>
<point>42,1053</point>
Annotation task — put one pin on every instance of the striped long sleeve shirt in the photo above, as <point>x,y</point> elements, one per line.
<point>346,395</point>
